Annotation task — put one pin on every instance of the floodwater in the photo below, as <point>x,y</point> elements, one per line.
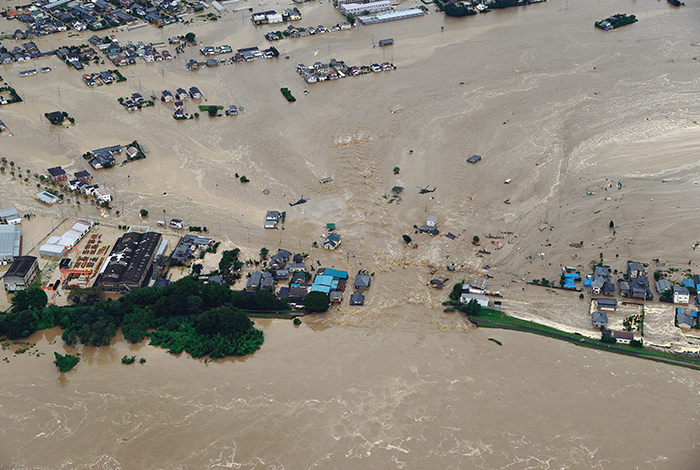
<point>330,396</point>
<point>550,102</point>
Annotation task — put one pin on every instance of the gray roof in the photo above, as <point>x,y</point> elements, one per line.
<point>10,237</point>
<point>662,285</point>
<point>9,213</point>
<point>362,280</point>
<point>680,290</point>
<point>474,158</point>
<point>682,317</point>
<point>601,317</point>
<point>636,267</point>
<point>607,303</point>
<point>21,266</point>
<point>357,298</point>
<point>255,279</point>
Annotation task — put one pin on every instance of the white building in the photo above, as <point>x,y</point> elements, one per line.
<point>482,300</point>
<point>681,295</point>
<point>360,8</point>
<point>431,221</point>
<point>276,18</point>
<point>102,195</point>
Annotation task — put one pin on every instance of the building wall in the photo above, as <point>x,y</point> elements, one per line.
<point>358,9</point>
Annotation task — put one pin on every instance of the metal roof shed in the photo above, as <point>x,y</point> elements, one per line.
<point>474,158</point>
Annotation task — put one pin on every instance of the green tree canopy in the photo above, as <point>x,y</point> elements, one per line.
<point>34,297</point>
<point>317,302</point>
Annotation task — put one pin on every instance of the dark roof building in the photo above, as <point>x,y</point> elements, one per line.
<point>21,274</point>
<point>607,304</point>
<point>57,173</point>
<point>129,265</point>
<point>474,158</point>
<point>357,298</point>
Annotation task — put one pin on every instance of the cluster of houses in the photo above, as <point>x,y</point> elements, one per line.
<point>81,183</point>
<point>133,102</point>
<point>635,286</point>
<point>320,72</point>
<point>283,268</point>
<point>103,157</point>
<point>106,77</point>
<point>247,54</point>
<point>294,32</point>
<point>76,56</point>
<point>26,51</point>
<point>129,53</point>
<point>178,98</point>
<point>44,17</point>
<point>272,17</point>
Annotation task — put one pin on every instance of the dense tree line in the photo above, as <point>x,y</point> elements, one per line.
<point>203,319</point>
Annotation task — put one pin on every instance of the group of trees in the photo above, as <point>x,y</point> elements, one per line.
<point>203,319</point>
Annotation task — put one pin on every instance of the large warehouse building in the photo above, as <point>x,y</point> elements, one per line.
<point>21,274</point>
<point>130,264</point>
<point>55,246</point>
<point>10,240</point>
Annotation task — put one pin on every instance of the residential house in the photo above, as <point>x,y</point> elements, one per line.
<point>681,295</point>
<point>271,219</point>
<point>280,259</point>
<point>431,221</point>
<point>634,270</point>
<point>600,319</point>
<point>83,175</point>
<point>363,281</point>
<point>282,274</point>
<point>254,280</point>
<point>195,94</point>
<point>102,195</point>
<point>336,297</point>
<point>267,282</point>
<point>357,298</point>
<point>332,241</point>
<point>683,320</point>
<point>296,267</point>
<point>177,223</point>
<point>181,94</point>
<point>623,337</point>
<point>297,295</point>
<point>57,174</point>
<point>601,275</point>
<point>663,285</point>
<point>639,287</point>
<point>166,96</point>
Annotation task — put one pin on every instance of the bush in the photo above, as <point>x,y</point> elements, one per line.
<point>65,363</point>
<point>143,212</point>
<point>244,179</point>
<point>128,360</point>
<point>608,339</point>
<point>288,94</point>
<point>397,189</point>
<point>296,321</point>
<point>407,239</point>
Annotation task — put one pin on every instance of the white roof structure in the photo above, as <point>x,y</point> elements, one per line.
<point>482,300</point>
<point>10,215</point>
<point>10,238</point>
<point>55,246</point>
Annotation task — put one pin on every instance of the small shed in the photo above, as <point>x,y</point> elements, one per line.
<point>474,159</point>
<point>357,298</point>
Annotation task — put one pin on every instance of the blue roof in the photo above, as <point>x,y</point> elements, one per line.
<point>336,273</point>
<point>323,279</point>
<point>587,282</point>
<point>688,283</point>
<point>571,275</point>
<point>319,288</point>
<point>569,283</point>
<point>693,313</point>
<point>680,310</point>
